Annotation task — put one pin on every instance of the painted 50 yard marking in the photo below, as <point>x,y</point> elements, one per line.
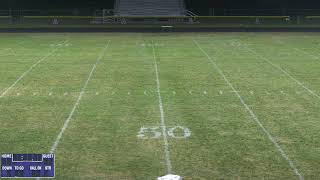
<point>155,132</point>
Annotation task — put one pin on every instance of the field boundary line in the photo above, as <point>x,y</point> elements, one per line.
<point>30,69</point>
<point>283,71</point>
<point>162,117</point>
<point>253,115</point>
<point>307,53</point>
<point>66,123</point>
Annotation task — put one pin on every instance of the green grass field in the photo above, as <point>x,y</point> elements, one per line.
<point>138,106</point>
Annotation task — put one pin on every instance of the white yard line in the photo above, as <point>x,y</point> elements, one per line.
<point>284,72</point>
<point>253,115</point>
<point>163,124</point>
<point>26,72</point>
<point>307,53</point>
<point>66,123</point>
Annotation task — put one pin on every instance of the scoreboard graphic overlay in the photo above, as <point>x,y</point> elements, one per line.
<point>27,165</point>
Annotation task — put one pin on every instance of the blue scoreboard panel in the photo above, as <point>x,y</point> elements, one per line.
<point>27,165</point>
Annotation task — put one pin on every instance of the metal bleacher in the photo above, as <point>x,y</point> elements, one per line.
<point>150,8</point>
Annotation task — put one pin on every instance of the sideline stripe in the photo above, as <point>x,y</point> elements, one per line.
<point>26,72</point>
<point>66,123</point>
<point>163,124</point>
<point>253,115</point>
<point>283,71</point>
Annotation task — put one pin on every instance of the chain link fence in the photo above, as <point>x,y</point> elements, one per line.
<point>105,18</point>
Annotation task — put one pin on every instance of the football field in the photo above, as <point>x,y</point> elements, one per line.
<point>136,106</point>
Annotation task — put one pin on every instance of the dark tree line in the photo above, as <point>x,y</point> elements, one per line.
<point>202,7</point>
<point>261,4</point>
